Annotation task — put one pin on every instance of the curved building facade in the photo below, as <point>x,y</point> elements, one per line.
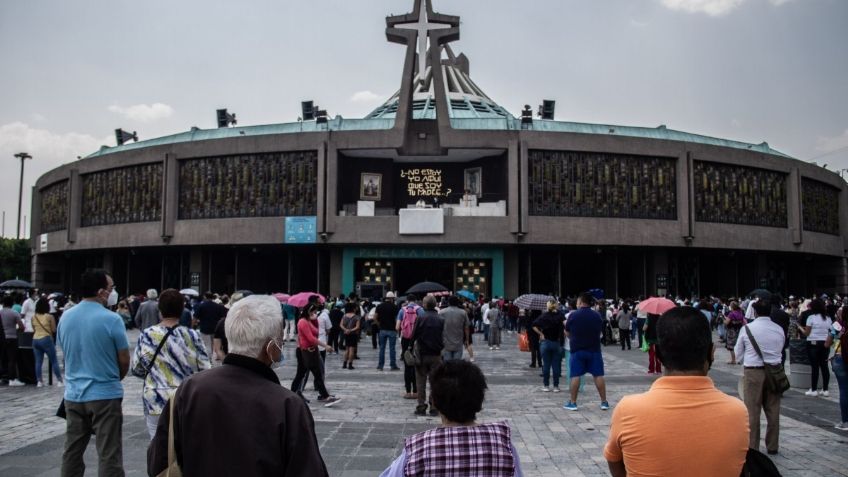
<point>442,183</point>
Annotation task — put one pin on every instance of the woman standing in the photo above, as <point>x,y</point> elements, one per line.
<point>165,355</point>
<point>549,329</point>
<point>308,356</point>
<point>840,357</point>
<point>495,318</point>
<point>624,326</point>
<point>654,365</point>
<point>816,328</point>
<point>44,326</point>
<point>351,323</point>
<point>733,322</point>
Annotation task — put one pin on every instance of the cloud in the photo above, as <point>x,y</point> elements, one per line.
<point>48,150</point>
<point>711,7</point>
<point>365,97</point>
<point>833,144</point>
<point>142,112</point>
<point>638,23</point>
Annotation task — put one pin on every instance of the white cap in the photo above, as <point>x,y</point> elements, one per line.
<point>390,295</point>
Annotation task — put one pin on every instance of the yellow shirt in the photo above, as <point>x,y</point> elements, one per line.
<point>44,325</point>
<point>683,426</point>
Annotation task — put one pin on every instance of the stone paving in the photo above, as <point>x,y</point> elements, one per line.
<point>364,433</point>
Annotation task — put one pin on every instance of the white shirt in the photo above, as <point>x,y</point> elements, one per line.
<point>324,325</point>
<point>819,327</point>
<point>484,310</point>
<point>27,312</point>
<point>770,338</point>
<point>749,312</point>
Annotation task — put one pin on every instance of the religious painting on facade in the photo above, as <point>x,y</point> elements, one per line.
<point>820,203</point>
<point>591,184</point>
<point>474,182</point>
<point>730,194</point>
<point>371,186</point>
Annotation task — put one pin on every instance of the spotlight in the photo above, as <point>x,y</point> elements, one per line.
<point>122,136</point>
<point>527,115</point>
<point>546,109</point>
<point>226,119</point>
<point>307,110</point>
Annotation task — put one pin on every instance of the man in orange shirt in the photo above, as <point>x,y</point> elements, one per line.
<point>683,425</point>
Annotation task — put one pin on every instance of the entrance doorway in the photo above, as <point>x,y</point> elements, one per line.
<point>410,272</point>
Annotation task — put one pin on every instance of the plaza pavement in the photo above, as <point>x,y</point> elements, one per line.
<point>363,433</point>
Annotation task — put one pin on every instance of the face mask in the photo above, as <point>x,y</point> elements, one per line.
<point>113,299</point>
<point>279,362</point>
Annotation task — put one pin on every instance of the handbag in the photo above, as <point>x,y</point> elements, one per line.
<point>173,469</point>
<point>645,346</point>
<point>776,379</point>
<point>523,342</point>
<point>758,465</point>
<point>140,371</point>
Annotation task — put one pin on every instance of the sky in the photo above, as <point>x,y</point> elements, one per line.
<point>748,70</point>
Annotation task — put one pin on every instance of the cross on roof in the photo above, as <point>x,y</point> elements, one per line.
<point>423,28</point>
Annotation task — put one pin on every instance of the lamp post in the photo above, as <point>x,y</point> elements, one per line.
<point>22,156</point>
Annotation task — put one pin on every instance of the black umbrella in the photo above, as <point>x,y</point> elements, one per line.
<point>424,288</point>
<point>16,284</point>
<point>760,293</point>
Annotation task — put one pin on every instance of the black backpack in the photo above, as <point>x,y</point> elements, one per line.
<point>758,464</point>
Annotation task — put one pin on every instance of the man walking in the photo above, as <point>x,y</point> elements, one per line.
<point>97,358</point>
<point>584,329</point>
<point>456,331</point>
<point>650,432</point>
<point>769,338</point>
<point>386,316</point>
<point>208,313</point>
<point>427,340</point>
<point>148,312</point>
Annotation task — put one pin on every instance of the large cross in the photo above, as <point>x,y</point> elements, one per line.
<point>423,28</point>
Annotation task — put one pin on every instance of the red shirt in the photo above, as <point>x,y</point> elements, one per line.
<point>307,333</point>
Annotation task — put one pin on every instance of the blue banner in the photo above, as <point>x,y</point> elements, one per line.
<point>301,229</point>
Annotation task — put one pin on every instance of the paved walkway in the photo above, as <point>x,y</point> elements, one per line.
<point>364,433</point>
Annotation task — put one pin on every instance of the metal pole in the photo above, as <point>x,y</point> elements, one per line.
<point>22,156</point>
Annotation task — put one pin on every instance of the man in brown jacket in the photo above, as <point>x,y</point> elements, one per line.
<point>236,419</point>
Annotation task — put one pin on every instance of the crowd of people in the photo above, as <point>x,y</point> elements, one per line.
<point>211,359</point>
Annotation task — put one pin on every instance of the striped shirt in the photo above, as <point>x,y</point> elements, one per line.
<point>183,355</point>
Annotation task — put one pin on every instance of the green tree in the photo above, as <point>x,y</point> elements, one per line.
<point>14,259</point>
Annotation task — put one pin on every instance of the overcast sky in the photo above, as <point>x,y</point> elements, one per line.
<point>750,70</point>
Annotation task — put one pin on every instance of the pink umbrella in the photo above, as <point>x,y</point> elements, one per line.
<point>282,297</point>
<point>655,305</point>
<point>301,299</point>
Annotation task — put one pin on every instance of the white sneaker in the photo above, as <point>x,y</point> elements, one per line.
<point>60,384</point>
<point>811,392</point>
<point>497,347</point>
<point>824,393</point>
<point>39,385</point>
<point>842,426</point>
<point>556,390</point>
<point>16,382</point>
<point>491,347</point>
<point>546,390</point>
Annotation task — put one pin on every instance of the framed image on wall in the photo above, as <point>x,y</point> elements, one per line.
<point>474,181</point>
<point>371,186</point>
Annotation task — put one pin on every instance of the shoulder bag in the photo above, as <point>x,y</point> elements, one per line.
<point>140,371</point>
<point>776,379</point>
<point>173,469</point>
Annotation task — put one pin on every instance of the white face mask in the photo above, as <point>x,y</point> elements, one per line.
<point>113,299</point>
<point>276,364</point>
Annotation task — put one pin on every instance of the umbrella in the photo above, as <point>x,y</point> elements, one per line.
<point>760,293</point>
<point>301,299</point>
<point>655,305</point>
<point>533,301</point>
<point>282,297</point>
<point>598,293</point>
<point>189,292</point>
<point>424,288</point>
<point>16,284</point>
<point>467,294</point>
<point>55,295</point>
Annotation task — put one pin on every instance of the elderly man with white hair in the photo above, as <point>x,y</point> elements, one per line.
<point>237,419</point>
<point>148,313</point>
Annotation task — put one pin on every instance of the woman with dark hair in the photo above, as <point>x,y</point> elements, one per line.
<point>654,364</point>
<point>816,327</point>
<point>464,447</point>
<point>44,327</point>
<point>351,325</point>
<point>549,329</point>
<point>166,354</point>
<point>840,356</point>
<point>733,322</point>
<point>309,358</point>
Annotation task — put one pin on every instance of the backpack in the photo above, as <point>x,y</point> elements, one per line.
<point>758,464</point>
<point>407,326</point>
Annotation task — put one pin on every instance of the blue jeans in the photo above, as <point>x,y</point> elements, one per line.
<point>486,332</point>
<point>451,355</point>
<point>551,358</point>
<point>391,337</point>
<point>841,373</point>
<point>41,346</point>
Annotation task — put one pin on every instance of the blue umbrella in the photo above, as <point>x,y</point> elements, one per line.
<point>467,294</point>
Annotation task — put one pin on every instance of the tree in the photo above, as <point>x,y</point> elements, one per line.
<point>14,259</point>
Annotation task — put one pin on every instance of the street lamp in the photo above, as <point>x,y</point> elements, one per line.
<point>22,156</point>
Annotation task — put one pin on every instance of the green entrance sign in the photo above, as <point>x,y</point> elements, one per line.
<point>496,255</point>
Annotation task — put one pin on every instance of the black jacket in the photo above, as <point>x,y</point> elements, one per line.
<point>428,333</point>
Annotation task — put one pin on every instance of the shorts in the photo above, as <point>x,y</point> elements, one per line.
<point>582,362</point>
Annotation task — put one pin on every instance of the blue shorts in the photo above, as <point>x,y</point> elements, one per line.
<point>583,362</point>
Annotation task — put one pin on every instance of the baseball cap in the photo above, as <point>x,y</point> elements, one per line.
<point>390,295</point>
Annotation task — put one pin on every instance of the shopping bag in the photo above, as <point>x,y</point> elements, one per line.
<point>523,342</point>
